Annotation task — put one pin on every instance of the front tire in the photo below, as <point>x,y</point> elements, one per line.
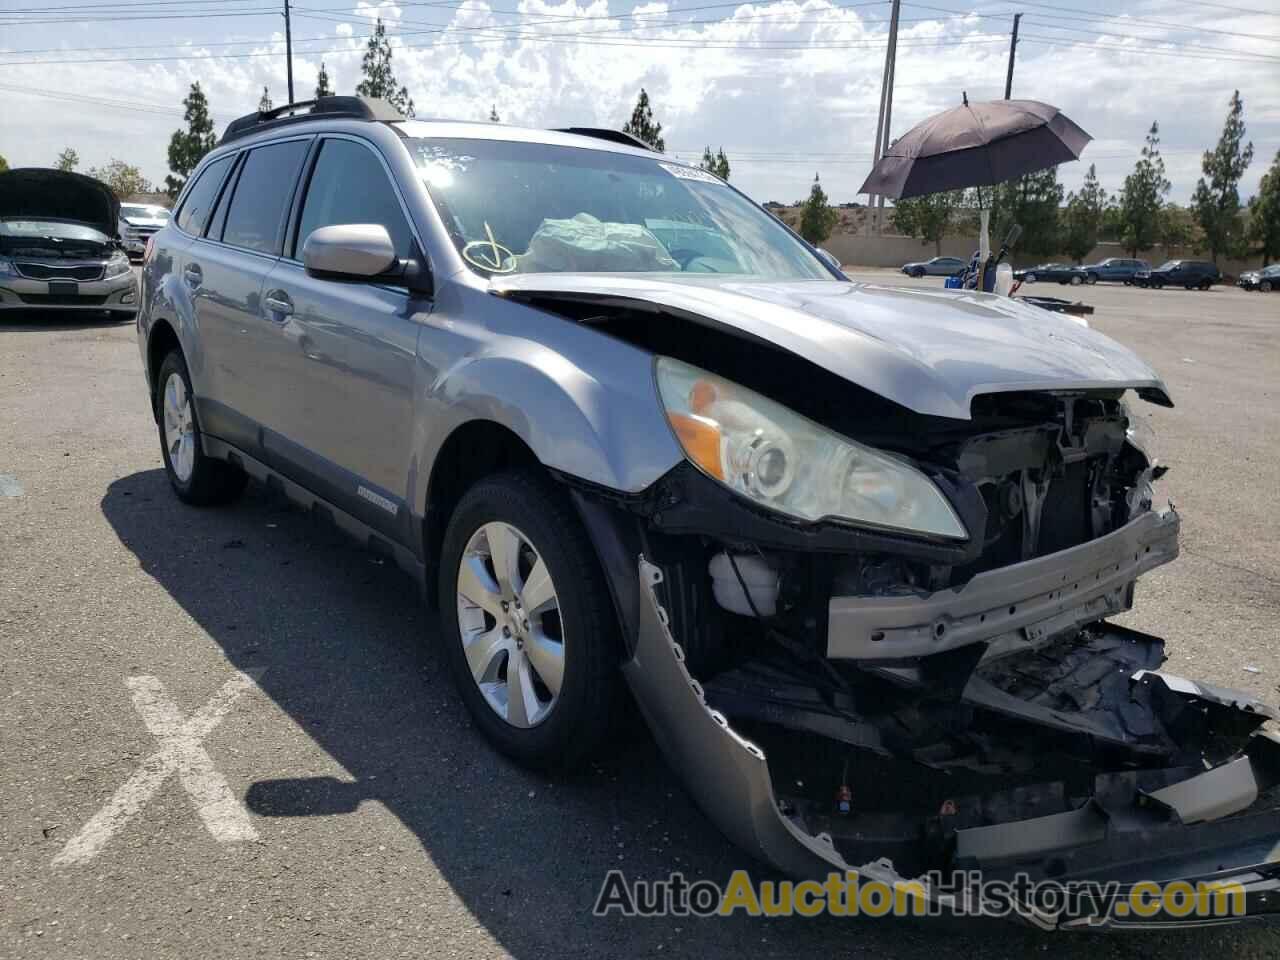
<point>1265,286</point>
<point>529,627</point>
<point>1092,279</point>
<point>197,479</point>
<point>1030,278</point>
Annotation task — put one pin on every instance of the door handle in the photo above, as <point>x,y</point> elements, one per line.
<point>192,275</point>
<point>278,302</point>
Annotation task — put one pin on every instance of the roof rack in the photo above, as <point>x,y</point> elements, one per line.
<point>604,133</point>
<point>353,108</point>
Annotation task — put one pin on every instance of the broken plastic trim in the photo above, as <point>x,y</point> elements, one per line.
<point>1032,600</point>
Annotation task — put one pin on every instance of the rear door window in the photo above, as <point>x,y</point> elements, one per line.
<point>195,208</point>
<point>349,185</point>
<point>255,218</point>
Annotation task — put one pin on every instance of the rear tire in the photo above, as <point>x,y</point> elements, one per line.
<point>1076,279</point>
<point>557,711</point>
<point>1265,286</point>
<point>196,478</point>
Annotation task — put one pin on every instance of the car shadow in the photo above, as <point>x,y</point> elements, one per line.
<point>47,321</point>
<point>351,656</point>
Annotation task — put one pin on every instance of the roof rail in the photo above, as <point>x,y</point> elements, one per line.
<point>352,108</point>
<point>604,133</point>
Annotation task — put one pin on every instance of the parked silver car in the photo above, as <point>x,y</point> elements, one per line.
<point>936,267</point>
<point>138,221</point>
<point>59,248</point>
<point>853,548</point>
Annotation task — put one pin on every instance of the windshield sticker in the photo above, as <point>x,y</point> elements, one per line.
<point>489,254</point>
<point>689,173</point>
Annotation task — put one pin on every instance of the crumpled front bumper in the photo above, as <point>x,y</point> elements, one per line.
<point>1205,837</point>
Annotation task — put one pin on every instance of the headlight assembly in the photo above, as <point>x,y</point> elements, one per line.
<point>788,463</point>
<point>117,266</point>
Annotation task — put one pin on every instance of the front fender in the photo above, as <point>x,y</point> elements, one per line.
<point>583,402</point>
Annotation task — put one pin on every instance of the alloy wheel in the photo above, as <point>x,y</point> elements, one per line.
<point>179,427</point>
<point>510,626</point>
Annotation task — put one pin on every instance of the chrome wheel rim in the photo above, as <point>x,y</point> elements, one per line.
<point>179,427</point>
<point>509,620</point>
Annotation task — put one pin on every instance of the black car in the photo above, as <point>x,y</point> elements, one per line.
<point>937,267</point>
<point>1116,269</point>
<point>1266,279</point>
<point>1047,272</point>
<point>1192,274</point>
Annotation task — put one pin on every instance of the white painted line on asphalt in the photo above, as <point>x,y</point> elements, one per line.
<point>10,486</point>
<point>181,753</point>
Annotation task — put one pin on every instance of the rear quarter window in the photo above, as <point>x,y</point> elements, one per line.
<point>199,201</point>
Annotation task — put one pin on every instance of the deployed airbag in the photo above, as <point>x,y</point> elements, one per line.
<point>584,243</point>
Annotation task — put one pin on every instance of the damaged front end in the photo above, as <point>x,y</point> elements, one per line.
<point>843,698</point>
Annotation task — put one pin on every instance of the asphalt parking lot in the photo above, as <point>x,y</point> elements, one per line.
<point>338,803</point>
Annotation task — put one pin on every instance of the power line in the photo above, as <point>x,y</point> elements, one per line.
<point>1087,16</point>
<point>1148,51</point>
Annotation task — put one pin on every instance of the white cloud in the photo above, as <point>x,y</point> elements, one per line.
<point>781,113</point>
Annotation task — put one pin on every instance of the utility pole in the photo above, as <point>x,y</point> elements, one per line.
<point>288,48</point>
<point>1013,46</point>
<point>886,103</point>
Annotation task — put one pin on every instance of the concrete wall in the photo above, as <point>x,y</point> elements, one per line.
<point>894,251</point>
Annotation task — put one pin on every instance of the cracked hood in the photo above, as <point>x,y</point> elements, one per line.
<point>931,351</point>
<point>39,194</point>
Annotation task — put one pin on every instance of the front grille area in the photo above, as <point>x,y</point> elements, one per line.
<point>54,271</point>
<point>59,300</point>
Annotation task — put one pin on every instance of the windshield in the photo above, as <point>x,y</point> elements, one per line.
<point>537,208</point>
<point>141,210</point>
<point>60,229</point>
<point>1168,265</point>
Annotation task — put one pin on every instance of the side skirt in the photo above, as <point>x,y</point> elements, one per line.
<point>340,519</point>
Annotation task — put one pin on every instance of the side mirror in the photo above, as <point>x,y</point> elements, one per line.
<point>354,250</point>
<point>828,258</point>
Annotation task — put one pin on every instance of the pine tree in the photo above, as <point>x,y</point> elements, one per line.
<point>817,218</point>
<point>323,89</point>
<point>1084,216</point>
<point>642,126</point>
<point>68,159</point>
<point>1033,202</point>
<point>379,79</point>
<point>187,147</point>
<point>716,163</point>
<point>1216,201</point>
<point>493,114</point>
<point>1264,214</point>
<point>1143,196</point>
<point>264,102</point>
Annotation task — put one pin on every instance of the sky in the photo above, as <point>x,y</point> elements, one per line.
<point>788,88</point>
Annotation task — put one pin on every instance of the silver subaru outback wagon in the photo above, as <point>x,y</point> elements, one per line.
<point>852,548</point>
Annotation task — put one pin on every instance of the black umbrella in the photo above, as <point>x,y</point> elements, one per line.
<point>976,145</point>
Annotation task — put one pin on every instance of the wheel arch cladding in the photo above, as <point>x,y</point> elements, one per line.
<point>473,451</point>
<point>160,341</point>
